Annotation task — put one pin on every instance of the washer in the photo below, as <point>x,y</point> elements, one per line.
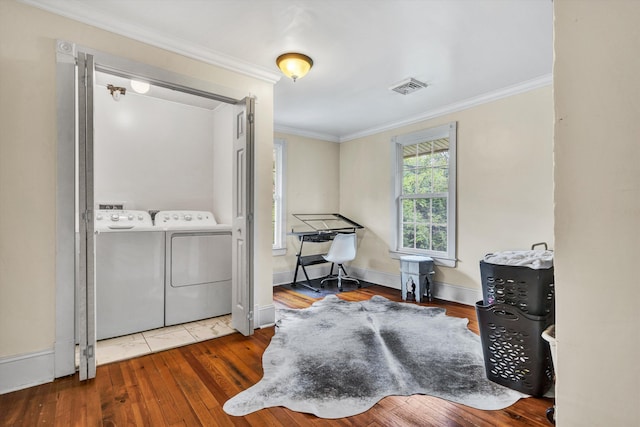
<point>129,273</point>
<point>197,266</point>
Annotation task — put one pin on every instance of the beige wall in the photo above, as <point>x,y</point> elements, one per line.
<point>28,162</point>
<point>505,184</point>
<point>597,213</point>
<point>312,186</point>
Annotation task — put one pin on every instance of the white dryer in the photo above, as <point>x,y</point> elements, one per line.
<point>129,273</point>
<point>197,266</point>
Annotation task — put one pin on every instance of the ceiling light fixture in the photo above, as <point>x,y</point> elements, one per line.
<point>294,65</point>
<point>140,86</point>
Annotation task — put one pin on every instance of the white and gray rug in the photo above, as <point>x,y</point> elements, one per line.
<point>337,358</point>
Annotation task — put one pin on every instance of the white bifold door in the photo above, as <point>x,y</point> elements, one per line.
<point>85,261</point>
<point>242,232</point>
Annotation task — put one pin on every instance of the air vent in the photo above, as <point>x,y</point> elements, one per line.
<point>408,86</point>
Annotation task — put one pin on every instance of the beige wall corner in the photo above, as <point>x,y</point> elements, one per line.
<point>597,212</point>
<point>505,184</point>
<point>313,176</point>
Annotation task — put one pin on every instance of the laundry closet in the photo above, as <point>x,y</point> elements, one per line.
<point>163,196</point>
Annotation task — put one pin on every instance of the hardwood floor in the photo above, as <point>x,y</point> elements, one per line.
<point>187,386</point>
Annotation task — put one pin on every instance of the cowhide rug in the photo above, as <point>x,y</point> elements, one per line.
<point>337,358</point>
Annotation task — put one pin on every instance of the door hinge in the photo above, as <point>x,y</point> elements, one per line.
<point>250,315</point>
<point>86,215</point>
<point>88,352</point>
<point>250,118</point>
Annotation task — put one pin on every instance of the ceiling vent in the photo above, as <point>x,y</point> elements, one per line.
<point>408,86</point>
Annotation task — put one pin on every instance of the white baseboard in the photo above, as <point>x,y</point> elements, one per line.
<point>65,356</point>
<point>389,280</point>
<point>264,316</point>
<point>26,370</point>
<point>454,293</point>
<point>441,290</point>
<point>314,272</point>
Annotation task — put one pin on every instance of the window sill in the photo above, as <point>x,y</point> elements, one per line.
<point>442,262</point>
<point>279,252</point>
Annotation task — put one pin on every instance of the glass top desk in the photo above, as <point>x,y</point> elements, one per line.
<point>317,228</point>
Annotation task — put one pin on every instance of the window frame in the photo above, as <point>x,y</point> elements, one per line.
<point>448,130</point>
<point>279,246</point>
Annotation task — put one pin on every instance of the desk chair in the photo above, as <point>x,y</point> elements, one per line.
<point>343,249</point>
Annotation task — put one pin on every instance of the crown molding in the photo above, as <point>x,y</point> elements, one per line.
<point>172,44</point>
<point>306,133</point>
<point>505,92</point>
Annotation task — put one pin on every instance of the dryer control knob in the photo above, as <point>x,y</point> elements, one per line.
<point>140,217</point>
<point>199,216</point>
<point>175,216</point>
<point>130,217</point>
<point>187,217</point>
<point>99,217</point>
<point>115,217</point>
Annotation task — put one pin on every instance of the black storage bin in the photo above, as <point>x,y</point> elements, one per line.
<point>515,354</point>
<point>530,290</point>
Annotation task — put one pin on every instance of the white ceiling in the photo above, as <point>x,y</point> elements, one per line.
<point>467,51</point>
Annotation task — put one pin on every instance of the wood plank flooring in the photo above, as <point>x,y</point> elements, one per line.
<point>187,386</point>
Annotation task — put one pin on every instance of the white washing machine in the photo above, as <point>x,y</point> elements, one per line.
<point>129,273</point>
<point>197,266</point>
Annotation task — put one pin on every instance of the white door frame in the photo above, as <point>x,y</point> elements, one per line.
<point>64,351</point>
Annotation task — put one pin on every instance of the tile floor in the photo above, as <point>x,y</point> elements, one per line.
<point>129,346</point>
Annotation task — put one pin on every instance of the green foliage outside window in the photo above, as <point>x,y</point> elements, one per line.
<point>425,184</point>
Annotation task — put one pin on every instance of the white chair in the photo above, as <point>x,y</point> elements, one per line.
<point>343,249</point>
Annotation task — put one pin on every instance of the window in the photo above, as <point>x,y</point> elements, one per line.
<point>425,192</point>
<point>278,206</point>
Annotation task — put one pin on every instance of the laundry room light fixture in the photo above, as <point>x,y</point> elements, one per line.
<point>140,86</point>
<point>294,65</point>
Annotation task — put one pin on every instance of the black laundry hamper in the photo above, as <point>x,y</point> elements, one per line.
<point>530,290</point>
<point>515,354</point>
<point>518,305</point>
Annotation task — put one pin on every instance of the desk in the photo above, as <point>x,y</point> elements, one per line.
<point>318,228</point>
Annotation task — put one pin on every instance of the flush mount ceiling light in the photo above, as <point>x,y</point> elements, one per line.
<point>294,65</point>
<point>140,86</point>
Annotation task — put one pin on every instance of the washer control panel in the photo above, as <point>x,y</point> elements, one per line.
<point>184,219</point>
<point>115,219</point>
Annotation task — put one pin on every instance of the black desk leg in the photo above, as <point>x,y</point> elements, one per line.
<point>304,270</point>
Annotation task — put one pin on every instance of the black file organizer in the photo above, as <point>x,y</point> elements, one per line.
<point>518,305</point>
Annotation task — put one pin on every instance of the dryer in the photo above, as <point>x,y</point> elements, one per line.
<point>197,266</point>
<point>129,273</point>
